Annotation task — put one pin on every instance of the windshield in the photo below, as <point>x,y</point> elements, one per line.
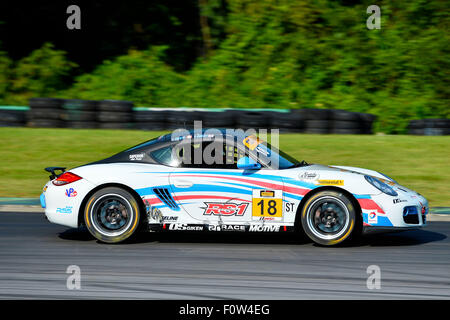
<point>285,161</point>
<point>270,155</point>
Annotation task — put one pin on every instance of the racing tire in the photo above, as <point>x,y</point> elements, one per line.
<point>344,115</point>
<point>290,121</point>
<point>346,131</point>
<point>115,106</point>
<point>45,123</point>
<point>253,119</point>
<point>151,126</point>
<point>77,115</point>
<point>183,119</point>
<point>315,114</point>
<point>143,115</point>
<point>13,116</point>
<point>116,125</point>
<point>44,114</point>
<point>80,124</point>
<point>45,103</point>
<point>10,124</point>
<point>105,116</point>
<point>340,124</point>
<point>112,215</point>
<point>329,217</point>
<point>218,119</point>
<point>80,105</point>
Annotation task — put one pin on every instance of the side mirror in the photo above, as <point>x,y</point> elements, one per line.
<point>246,163</point>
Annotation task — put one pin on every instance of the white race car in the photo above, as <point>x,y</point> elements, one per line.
<point>168,184</point>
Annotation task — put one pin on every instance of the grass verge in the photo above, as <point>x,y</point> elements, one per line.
<point>417,162</point>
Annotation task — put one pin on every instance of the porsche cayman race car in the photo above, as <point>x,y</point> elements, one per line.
<point>225,180</point>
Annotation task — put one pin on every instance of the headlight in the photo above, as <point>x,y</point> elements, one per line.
<point>383,187</point>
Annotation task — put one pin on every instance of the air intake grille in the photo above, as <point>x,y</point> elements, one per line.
<point>164,195</point>
<point>411,215</point>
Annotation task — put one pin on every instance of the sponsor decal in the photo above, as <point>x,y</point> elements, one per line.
<point>45,189</point>
<point>289,207</point>
<point>398,201</point>
<point>266,228</point>
<point>185,227</point>
<point>67,209</point>
<point>136,157</point>
<point>265,219</point>
<point>331,182</point>
<point>224,209</point>
<point>176,137</point>
<point>251,142</point>
<point>424,209</point>
<point>169,218</point>
<point>266,193</point>
<point>268,206</point>
<point>71,193</point>
<point>308,176</point>
<point>262,149</point>
<point>226,227</point>
<point>373,218</point>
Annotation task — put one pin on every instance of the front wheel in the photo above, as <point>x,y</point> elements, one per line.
<point>112,215</point>
<point>328,217</point>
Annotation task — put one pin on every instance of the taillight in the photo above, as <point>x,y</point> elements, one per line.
<point>66,178</point>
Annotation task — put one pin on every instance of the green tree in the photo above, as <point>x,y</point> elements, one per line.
<point>41,74</point>
<point>139,76</point>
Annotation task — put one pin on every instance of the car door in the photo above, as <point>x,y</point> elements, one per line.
<point>222,193</point>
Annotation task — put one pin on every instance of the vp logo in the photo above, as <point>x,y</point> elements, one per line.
<point>71,193</point>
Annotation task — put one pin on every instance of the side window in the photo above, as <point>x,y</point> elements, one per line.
<point>208,154</point>
<point>165,156</point>
<point>233,154</point>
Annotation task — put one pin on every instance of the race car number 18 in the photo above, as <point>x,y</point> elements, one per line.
<point>267,204</point>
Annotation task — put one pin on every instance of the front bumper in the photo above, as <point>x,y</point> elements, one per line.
<point>386,212</point>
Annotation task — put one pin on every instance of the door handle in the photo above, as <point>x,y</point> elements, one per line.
<point>183,183</point>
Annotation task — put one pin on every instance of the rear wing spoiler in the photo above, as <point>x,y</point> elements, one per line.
<point>53,173</point>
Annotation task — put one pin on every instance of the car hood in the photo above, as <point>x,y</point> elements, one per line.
<point>355,170</point>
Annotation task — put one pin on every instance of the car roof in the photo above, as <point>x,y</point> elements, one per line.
<point>182,134</point>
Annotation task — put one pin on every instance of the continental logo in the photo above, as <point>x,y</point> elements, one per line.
<point>331,182</point>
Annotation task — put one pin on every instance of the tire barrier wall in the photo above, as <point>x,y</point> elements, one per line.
<point>115,114</point>
<point>13,116</point>
<point>429,127</point>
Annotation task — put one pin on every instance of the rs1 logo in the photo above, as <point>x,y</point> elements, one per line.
<point>225,209</point>
<point>70,192</point>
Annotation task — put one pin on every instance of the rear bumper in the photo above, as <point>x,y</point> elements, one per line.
<point>62,203</point>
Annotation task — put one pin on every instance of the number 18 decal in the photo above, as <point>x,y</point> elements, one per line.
<point>267,204</point>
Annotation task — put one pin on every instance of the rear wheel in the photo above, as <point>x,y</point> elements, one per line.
<point>112,215</point>
<point>329,217</point>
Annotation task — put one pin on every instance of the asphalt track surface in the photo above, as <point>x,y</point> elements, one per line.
<point>35,255</point>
